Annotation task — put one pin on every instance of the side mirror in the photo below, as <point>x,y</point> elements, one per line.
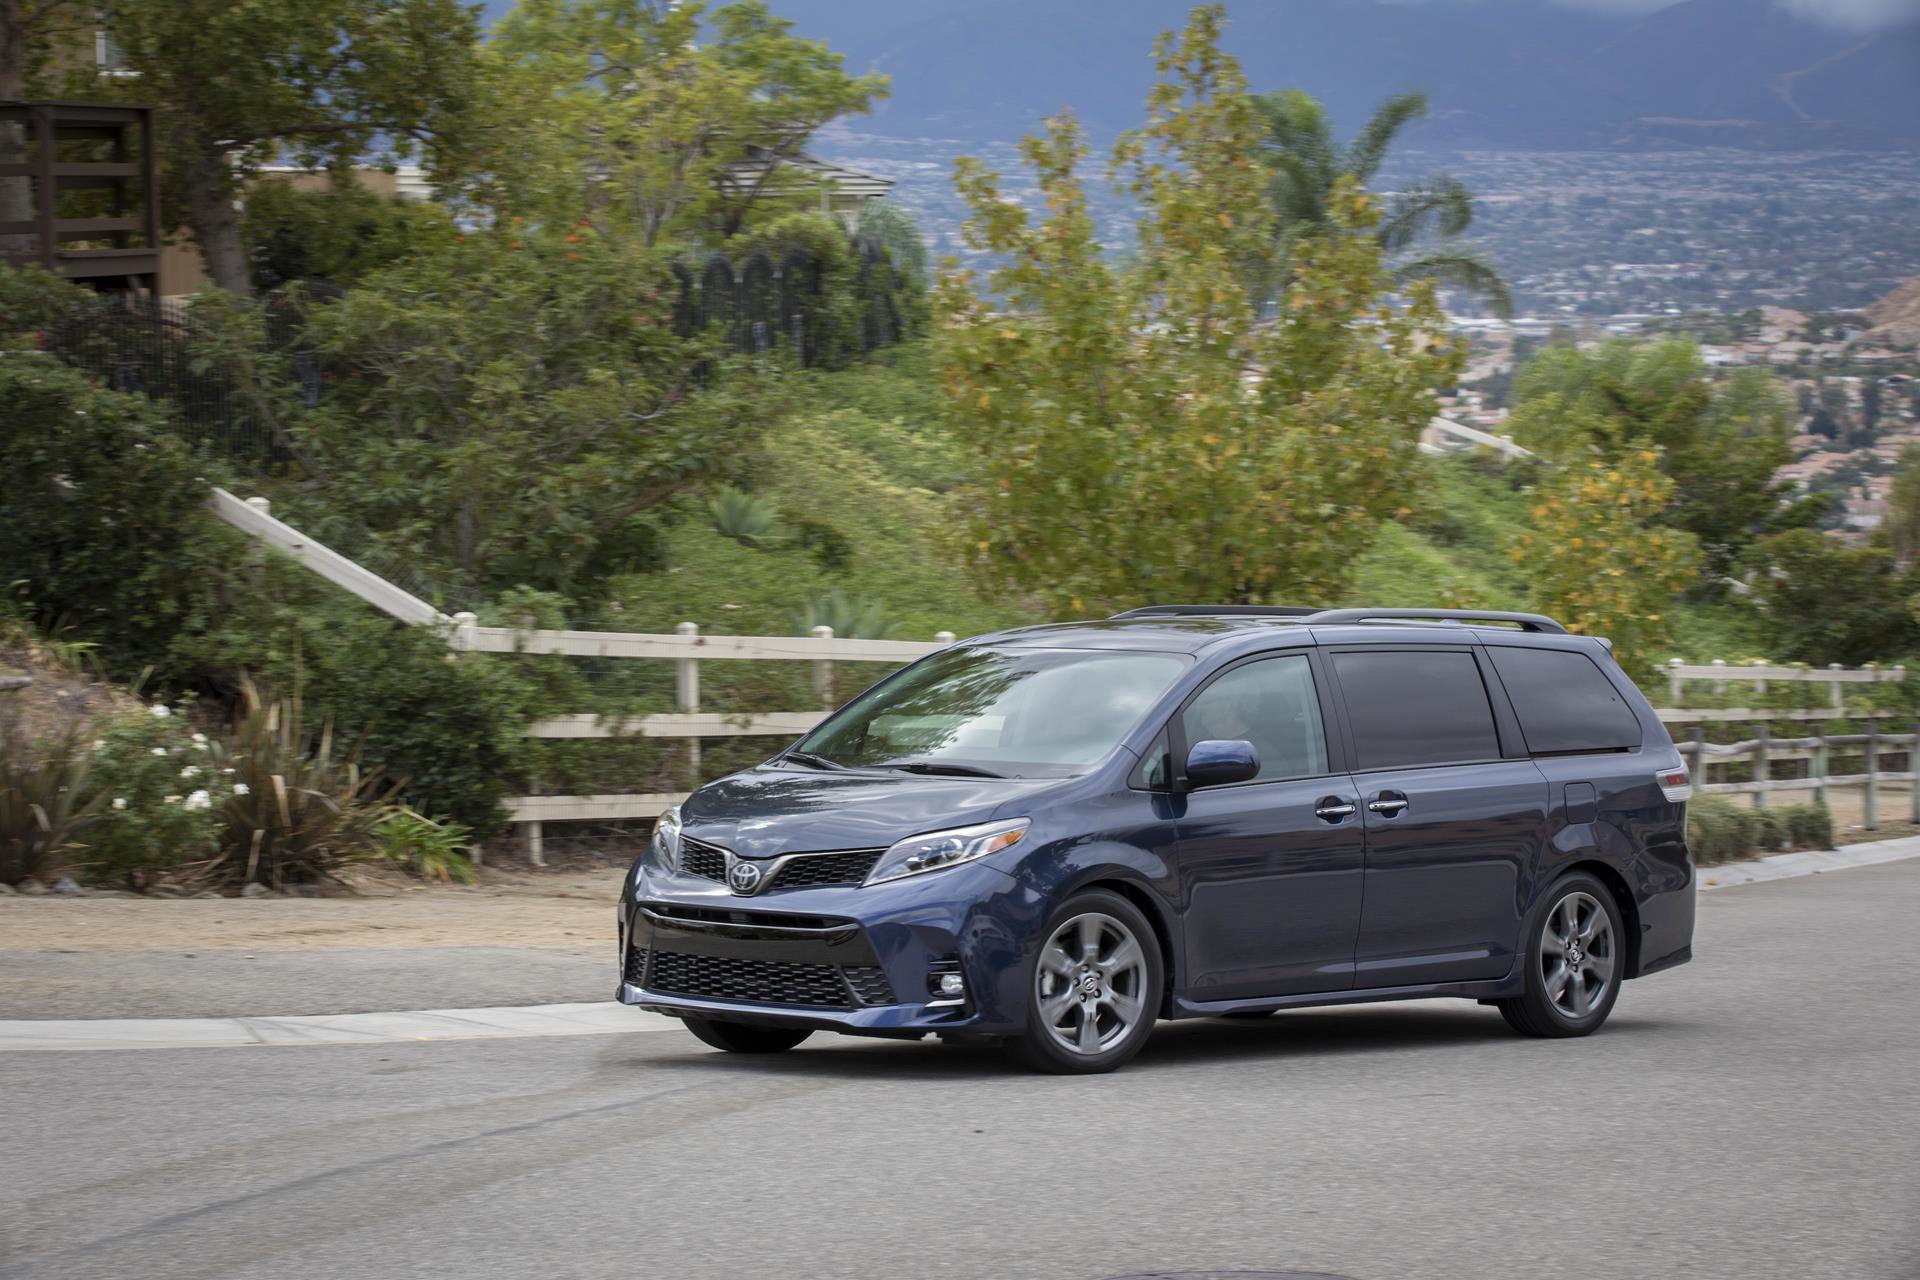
<point>1218,761</point>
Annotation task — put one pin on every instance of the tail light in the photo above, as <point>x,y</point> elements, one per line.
<point>1675,784</point>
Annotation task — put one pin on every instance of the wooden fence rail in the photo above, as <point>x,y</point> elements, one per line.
<point>1764,751</point>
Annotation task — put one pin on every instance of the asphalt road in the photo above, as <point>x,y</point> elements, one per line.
<point>1755,1114</point>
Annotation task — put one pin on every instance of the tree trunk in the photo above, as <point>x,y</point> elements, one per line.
<point>16,194</point>
<point>216,223</point>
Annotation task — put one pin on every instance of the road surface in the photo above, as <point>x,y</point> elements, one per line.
<point>1754,1114</point>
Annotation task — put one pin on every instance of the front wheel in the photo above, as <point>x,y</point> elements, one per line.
<point>1095,987</point>
<point>744,1037</point>
<point>1574,965</point>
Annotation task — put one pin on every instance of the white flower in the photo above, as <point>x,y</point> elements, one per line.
<point>119,802</point>
<point>199,737</point>
<point>199,800</point>
<point>159,711</point>
<point>191,771</point>
<point>228,772</point>
<point>159,751</point>
<point>169,799</point>
<point>240,788</point>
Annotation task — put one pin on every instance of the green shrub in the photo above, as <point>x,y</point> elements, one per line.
<point>431,850</point>
<point>33,300</point>
<point>1810,825</point>
<point>102,505</point>
<point>162,796</point>
<point>340,235</point>
<point>1718,830</point>
<point>851,617</point>
<point>1774,834</point>
<point>740,516</point>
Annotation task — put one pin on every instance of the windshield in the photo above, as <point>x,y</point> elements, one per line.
<point>1032,713</point>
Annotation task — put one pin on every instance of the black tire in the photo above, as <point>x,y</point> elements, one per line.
<point>1038,1049</point>
<point>745,1037</point>
<point>1542,1010</point>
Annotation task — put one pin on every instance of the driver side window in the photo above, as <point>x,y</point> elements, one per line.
<point>1270,703</point>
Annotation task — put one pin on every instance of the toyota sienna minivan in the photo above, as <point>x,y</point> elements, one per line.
<point>1053,837</point>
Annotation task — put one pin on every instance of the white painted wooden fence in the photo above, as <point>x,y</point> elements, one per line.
<point>686,647</point>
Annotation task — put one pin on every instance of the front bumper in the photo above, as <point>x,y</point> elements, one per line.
<point>841,958</point>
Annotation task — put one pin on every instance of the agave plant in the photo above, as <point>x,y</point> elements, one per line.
<point>295,812</point>
<point>44,806</point>
<point>741,516</point>
<point>851,617</point>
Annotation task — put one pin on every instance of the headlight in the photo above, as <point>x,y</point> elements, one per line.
<point>938,849</point>
<point>663,851</point>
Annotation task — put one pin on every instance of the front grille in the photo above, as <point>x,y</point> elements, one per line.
<point>818,986</point>
<point>698,858</point>
<point>850,867</point>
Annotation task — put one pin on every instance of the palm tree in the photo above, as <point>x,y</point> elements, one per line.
<point>1308,162</point>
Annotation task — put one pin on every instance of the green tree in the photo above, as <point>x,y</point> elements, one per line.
<point>1822,601</point>
<point>628,114</point>
<point>1140,437</point>
<point>1598,560</point>
<point>340,235</point>
<point>520,411</point>
<point>1902,524</point>
<point>898,232</point>
<point>328,83</point>
<point>1720,443</point>
<point>1420,226</point>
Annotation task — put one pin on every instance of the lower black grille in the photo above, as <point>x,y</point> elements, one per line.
<point>850,867</point>
<point>755,981</point>
<point>816,986</point>
<point>699,859</point>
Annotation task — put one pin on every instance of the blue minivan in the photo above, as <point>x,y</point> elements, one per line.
<point>1054,836</point>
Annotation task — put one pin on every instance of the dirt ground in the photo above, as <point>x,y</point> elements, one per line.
<point>508,908</point>
<point>1849,808</point>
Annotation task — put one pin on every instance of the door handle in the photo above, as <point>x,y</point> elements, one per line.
<point>1387,806</point>
<point>1333,809</point>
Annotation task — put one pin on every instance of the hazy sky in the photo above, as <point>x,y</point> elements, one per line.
<point>1859,15</point>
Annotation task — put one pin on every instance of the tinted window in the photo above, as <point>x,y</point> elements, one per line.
<point>1416,708</point>
<point>1564,701</point>
<point>1271,704</point>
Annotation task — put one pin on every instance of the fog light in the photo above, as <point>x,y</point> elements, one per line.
<point>949,985</point>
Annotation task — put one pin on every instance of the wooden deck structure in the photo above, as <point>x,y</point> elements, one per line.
<point>116,246</point>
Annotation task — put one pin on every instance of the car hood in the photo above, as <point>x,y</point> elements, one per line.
<point>766,810</point>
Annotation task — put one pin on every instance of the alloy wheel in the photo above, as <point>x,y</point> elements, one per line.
<point>1577,955</point>
<point>1091,983</point>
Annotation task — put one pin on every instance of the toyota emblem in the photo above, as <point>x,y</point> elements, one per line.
<point>743,877</point>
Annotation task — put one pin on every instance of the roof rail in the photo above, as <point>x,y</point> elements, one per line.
<point>1220,611</point>
<point>1525,621</point>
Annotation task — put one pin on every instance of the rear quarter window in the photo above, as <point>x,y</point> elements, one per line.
<point>1564,702</point>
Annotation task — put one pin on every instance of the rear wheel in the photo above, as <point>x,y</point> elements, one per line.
<point>1095,987</point>
<point>1574,964</point>
<point>745,1037</point>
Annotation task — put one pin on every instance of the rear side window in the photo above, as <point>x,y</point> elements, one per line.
<point>1416,708</point>
<point>1565,702</point>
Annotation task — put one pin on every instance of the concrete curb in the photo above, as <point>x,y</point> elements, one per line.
<point>594,1019</point>
<point>609,1018</point>
<point>1785,866</point>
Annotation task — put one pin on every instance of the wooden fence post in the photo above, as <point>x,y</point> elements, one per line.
<point>1719,686</point>
<point>686,695</point>
<point>1873,775</point>
<point>1913,772</point>
<point>1838,698</point>
<point>944,637</point>
<point>1698,773</point>
<point>1820,768</point>
<point>823,673</point>
<point>1759,686</point>
<point>1761,774</point>
<point>1674,682</point>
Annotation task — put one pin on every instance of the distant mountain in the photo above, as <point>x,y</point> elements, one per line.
<point>1500,73</point>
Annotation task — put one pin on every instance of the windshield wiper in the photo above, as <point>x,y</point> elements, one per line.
<point>812,760</point>
<point>939,767</point>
